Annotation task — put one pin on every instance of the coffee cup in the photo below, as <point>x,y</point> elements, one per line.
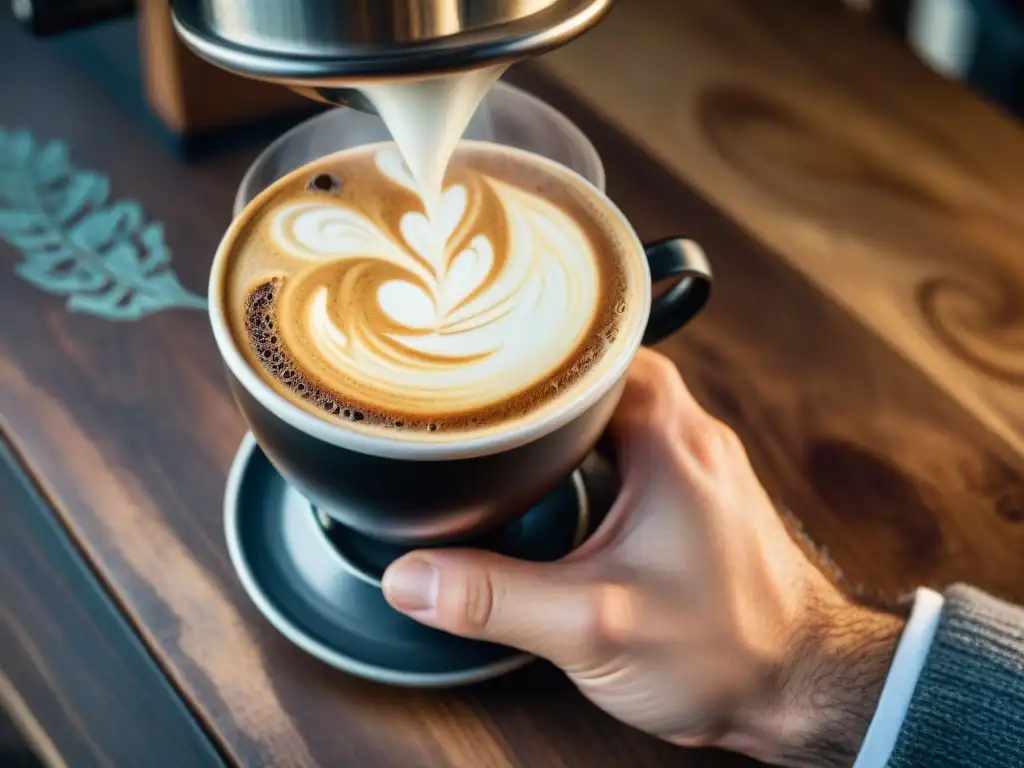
<point>421,492</point>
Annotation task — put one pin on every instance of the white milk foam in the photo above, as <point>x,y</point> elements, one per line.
<point>461,330</point>
<point>427,118</point>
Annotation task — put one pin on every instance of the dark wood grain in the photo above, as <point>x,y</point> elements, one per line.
<point>131,430</point>
<point>891,189</point>
<point>70,664</point>
<point>885,471</point>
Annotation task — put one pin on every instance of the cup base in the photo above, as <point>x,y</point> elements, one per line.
<point>318,582</point>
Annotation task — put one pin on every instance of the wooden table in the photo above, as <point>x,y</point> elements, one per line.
<point>866,339</point>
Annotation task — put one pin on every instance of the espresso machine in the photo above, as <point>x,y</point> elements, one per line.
<point>323,48</point>
<point>316,578</point>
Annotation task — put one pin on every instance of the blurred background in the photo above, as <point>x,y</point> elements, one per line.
<point>980,42</point>
<point>131,47</point>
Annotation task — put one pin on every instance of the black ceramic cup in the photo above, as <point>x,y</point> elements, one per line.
<point>412,492</point>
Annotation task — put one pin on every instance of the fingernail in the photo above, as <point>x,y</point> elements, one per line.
<point>411,586</point>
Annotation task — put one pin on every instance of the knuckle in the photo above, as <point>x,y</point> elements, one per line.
<point>658,375</point>
<point>634,412</point>
<point>664,370</point>
<point>610,614</point>
<point>713,443</point>
<point>475,605</point>
<point>706,442</point>
<point>653,393</point>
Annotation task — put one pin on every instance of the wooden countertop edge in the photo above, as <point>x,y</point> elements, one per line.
<point>34,733</point>
<point>44,702</point>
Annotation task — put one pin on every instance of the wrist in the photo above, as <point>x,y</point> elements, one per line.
<point>818,701</point>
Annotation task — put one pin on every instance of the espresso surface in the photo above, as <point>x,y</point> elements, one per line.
<point>357,306</point>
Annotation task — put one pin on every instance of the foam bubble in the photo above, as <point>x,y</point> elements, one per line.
<point>323,182</point>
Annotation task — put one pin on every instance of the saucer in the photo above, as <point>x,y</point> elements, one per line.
<point>318,582</point>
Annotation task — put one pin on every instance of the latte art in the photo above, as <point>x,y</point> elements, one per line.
<point>362,306</point>
<point>436,317</point>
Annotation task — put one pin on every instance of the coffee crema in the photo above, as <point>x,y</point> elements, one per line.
<point>354,305</point>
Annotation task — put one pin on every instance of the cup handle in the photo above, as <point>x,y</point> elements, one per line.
<point>676,257</point>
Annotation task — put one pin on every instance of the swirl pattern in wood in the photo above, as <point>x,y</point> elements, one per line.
<point>897,193</point>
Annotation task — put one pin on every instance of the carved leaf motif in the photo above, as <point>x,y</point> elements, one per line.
<point>102,256</point>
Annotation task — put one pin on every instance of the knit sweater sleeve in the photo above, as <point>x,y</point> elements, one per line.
<point>968,705</point>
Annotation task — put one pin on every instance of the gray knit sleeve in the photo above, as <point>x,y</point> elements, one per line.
<point>968,706</point>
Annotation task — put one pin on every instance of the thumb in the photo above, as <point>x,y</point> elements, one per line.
<point>541,608</point>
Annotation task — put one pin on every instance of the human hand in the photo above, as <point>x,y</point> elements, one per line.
<point>690,613</point>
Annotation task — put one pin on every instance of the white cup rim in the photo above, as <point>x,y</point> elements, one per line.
<point>382,446</point>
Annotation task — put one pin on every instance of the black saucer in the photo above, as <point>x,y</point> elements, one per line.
<point>318,582</point>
